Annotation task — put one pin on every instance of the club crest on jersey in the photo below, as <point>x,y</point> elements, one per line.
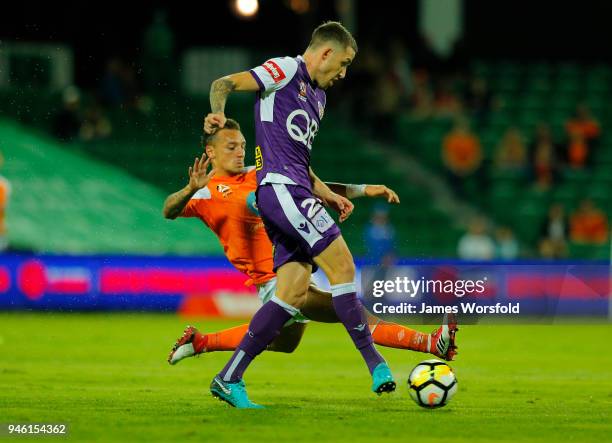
<point>321,110</point>
<point>302,95</point>
<point>274,70</point>
<point>224,189</point>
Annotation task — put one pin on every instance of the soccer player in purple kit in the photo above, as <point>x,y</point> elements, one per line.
<point>289,107</point>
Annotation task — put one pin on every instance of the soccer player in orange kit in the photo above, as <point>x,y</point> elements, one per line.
<point>224,199</point>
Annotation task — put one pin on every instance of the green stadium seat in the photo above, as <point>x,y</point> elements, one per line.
<point>589,252</point>
<point>69,203</point>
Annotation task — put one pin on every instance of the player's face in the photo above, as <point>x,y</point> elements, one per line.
<point>334,63</point>
<point>228,152</point>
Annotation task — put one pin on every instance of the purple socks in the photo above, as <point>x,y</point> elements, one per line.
<point>265,326</point>
<point>272,316</point>
<point>349,310</point>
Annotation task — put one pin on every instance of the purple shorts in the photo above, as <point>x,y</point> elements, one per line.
<point>296,222</point>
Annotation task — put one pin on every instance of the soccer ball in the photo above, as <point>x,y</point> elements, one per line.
<point>432,383</point>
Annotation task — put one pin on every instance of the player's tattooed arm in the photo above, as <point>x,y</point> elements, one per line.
<point>220,89</point>
<point>175,203</point>
<point>198,178</point>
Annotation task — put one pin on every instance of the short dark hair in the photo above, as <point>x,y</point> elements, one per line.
<point>332,31</point>
<point>208,139</point>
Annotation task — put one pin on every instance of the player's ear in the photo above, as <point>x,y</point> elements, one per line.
<point>327,52</point>
<point>210,151</point>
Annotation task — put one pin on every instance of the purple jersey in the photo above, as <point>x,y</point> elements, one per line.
<point>288,111</point>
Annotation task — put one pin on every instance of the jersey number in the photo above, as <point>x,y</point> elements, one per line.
<point>313,207</point>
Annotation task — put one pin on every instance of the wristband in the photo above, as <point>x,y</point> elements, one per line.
<point>354,191</point>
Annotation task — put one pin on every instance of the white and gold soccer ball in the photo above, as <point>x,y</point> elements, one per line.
<point>432,383</point>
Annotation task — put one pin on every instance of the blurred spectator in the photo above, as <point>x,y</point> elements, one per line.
<point>544,158</point>
<point>363,76</point>
<point>384,104</point>
<point>5,193</point>
<point>447,102</point>
<point>507,248</point>
<point>461,154</point>
<point>547,250</point>
<point>476,244</point>
<point>380,236</point>
<point>577,151</point>
<point>95,125</point>
<point>401,72</point>
<point>555,232</point>
<point>589,224</point>
<point>67,123</point>
<point>478,100</point>
<point>118,86</point>
<point>511,153</point>
<point>583,124</point>
<point>158,45</point>
<point>422,99</point>
<point>583,132</point>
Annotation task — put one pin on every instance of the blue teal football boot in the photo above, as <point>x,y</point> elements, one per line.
<point>382,379</point>
<point>233,394</point>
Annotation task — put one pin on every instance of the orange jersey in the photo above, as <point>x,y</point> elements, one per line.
<point>227,206</point>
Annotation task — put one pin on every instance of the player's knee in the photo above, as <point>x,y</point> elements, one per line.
<point>295,298</point>
<point>344,271</point>
<point>299,300</point>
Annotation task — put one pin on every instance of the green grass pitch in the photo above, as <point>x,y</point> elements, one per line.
<point>106,376</point>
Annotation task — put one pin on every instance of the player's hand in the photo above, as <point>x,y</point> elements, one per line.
<point>212,122</point>
<point>382,191</point>
<point>340,204</point>
<point>198,175</point>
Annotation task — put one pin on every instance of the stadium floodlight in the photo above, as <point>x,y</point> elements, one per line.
<point>246,8</point>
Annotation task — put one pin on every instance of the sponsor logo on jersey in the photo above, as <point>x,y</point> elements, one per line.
<point>322,221</point>
<point>224,189</point>
<point>321,110</point>
<point>296,132</point>
<point>258,159</point>
<point>303,93</point>
<point>274,70</point>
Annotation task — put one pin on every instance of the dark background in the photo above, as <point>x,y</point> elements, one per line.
<point>493,29</point>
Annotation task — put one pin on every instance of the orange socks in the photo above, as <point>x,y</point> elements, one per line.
<point>386,334</point>
<point>226,340</point>
<point>393,335</point>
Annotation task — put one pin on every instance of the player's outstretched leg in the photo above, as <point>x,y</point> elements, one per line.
<point>337,263</point>
<point>442,341</point>
<point>319,308</point>
<point>192,342</point>
<point>265,325</point>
